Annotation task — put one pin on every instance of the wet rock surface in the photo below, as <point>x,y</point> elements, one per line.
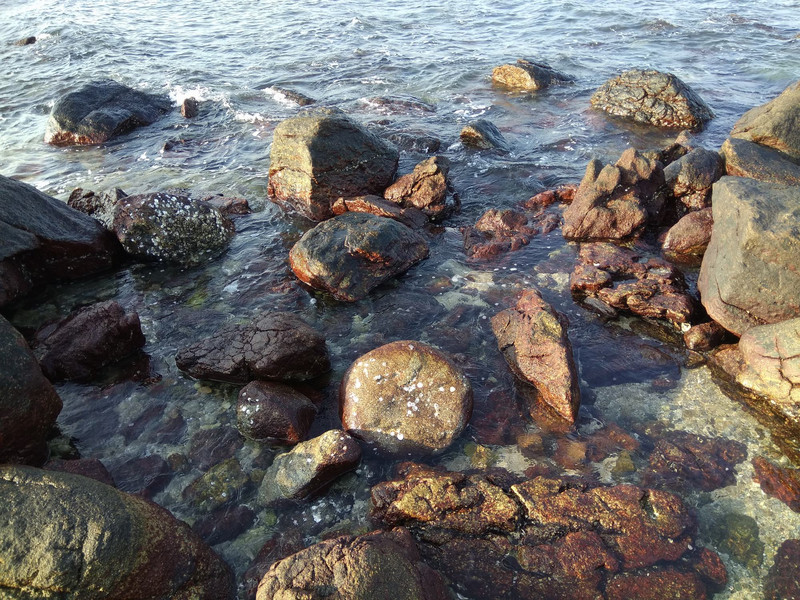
<point>483,135</point>
<point>221,485</point>
<point>690,236</point>
<point>145,476</point>
<point>782,582</point>
<point>224,524</point>
<point>771,361</point>
<point>375,205</point>
<point>506,230</point>
<point>425,188</point>
<point>775,124</point>
<point>99,205</point>
<point>527,76</point>
<point>405,397</point>
<point>689,178</point>
<point>782,483</point>
<point>704,337</point>
<point>273,413</point>
<point>748,159</point>
<point>88,467</point>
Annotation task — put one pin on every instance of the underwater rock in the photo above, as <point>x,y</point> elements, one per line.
<point>144,476</point>
<point>656,584</point>
<point>425,188</point>
<point>690,236</point>
<point>88,467</point>
<point>527,75</point>
<point>507,230</point>
<point>782,582</point>
<point>212,446</point>
<point>778,482</point>
<point>775,124</point>
<point>375,205</point>
<point>483,135</point>
<point>748,159</point>
<point>689,179</point>
<point>221,485</point>
<point>737,536</point>
<point>224,524</point>
<point>273,413</point>
<point>405,397</point>
<point>279,546</point>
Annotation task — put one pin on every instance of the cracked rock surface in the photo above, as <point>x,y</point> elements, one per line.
<point>424,189</point>
<point>527,75</point>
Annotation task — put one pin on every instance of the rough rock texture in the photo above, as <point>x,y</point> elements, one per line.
<point>748,159</point>
<point>274,413</point>
<point>704,337</point>
<point>28,403</point>
<point>778,482</point>
<point>527,76</point>
<point>405,397</point>
<point>483,135</point>
<point>662,584</point>
<point>533,339</point>
<point>171,228</point>
<point>277,345</point>
<point>689,236</point>
<point>219,486</point>
<point>689,179</point>
<point>142,475</point>
<point>376,566</point>
<point>425,188</point>
<point>615,201</point>
<point>87,340</point>
<point>67,536</point>
<point>43,240</point>
<point>309,466</point>
<point>507,230</point>
<point>782,582</point>
<point>353,253</point>
<point>291,95</point>
<point>653,98</point>
<point>88,467</point>
<point>321,155</point>
<point>775,124</point>
<point>190,108</point>
<point>749,273</point>
<point>99,205</point>
<point>101,110</point>
<point>375,205</point>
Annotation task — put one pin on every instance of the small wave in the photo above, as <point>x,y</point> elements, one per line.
<point>246,117</point>
<point>178,94</point>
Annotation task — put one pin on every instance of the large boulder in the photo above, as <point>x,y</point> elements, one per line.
<point>100,110</point>
<point>775,124</point>
<point>425,188</point>
<point>748,159</point>
<point>28,403</point>
<point>405,397</point>
<point>533,339</point>
<point>353,253</point>
<point>43,240</point>
<point>68,536</point>
<point>321,155</point>
<point>771,355</point>
<point>527,76</point>
<point>749,273</point>
<point>653,98</point>
<point>274,346</point>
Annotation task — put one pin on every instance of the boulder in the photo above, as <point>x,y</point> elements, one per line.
<point>425,188</point>
<point>353,253</point>
<point>274,346</point>
<point>42,240</point>
<point>375,205</point>
<point>89,339</point>
<point>653,98</point>
<point>383,565</point>
<point>615,201</point>
<point>101,110</point>
<point>88,467</point>
<point>483,135</point>
<point>309,466</point>
<point>100,205</point>
<point>782,483</point>
<point>748,159</point>
<point>689,179</point>
<point>72,537</point>
<point>775,124</point>
<point>771,355</point>
<point>405,397</point>
<point>321,155</point>
<point>749,275</point>
<point>690,236</point>
<point>273,413</point>
<point>166,227</point>
<point>533,339</point>
<point>782,582</point>
<point>28,403</point>
<point>527,76</point>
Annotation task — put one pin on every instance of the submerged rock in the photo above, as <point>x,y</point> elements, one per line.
<point>101,110</point>
<point>507,230</point>
<point>782,582</point>
<point>778,482</point>
<point>527,75</point>
<point>748,159</point>
<point>483,135</point>
<point>219,486</point>
<point>424,189</point>
<point>144,475</point>
<point>775,124</point>
<point>273,413</point>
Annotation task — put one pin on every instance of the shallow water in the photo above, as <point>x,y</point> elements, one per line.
<point>229,55</point>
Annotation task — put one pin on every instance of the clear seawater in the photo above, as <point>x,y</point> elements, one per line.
<point>229,55</point>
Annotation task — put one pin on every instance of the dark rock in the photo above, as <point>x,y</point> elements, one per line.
<point>88,467</point>
<point>689,236</point>
<point>748,159</point>
<point>656,584</point>
<point>405,397</point>
<point>190,108</point>
<point>145,476</point>
<point>26,41</point>
<point>615,201</point>
<point>689,179</point>
<point>483,135</point>
<point>737,536</point>
<point>704,337</point>
<point>782,582</point>
<point>533,339</point>
<point>98,205</point>
<point>321,155</point>
<point>212,446</point>
<point>748,276</point>
<point>653,98</point>
<point>711,568</point>
<point>222,484</point>
<point>224,524</point>
<point>527,75</point>
<point>101,110</point>
<point>291,95</point>
<point>411,142</point>
<point>500,231</point>
<point>274,346</point>
<point>775,124</point>
<point>42,240</point>
<point>279,546</point>
<point>399,105</point>
<point>273,413</point>
<point>75,537</point>
<point>424,189</point>
<point>227,205</point>
<point>309,466</point>
<point>28,403</point>
<point>778,482</point>
<point>353,253</point>
<point>375,205</point>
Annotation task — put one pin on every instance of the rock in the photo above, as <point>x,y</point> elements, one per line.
<point>653,98</point>
<point>778,482</point>
<point>415,142</point>
<point>170,228</point>
<point>656,584</point>
<point>615,201</point>
<point>737,536</point>
<point>748,159</point>
<point>689,179</point>
<point>101,110</point>
<point>309,466</point>
<point>273,413</point>
<point>704,337</point>
<point>527,75</point>
<point>353,253</point>
<point>321,155</point>
<point>533,339</point>
<point>400,105</point>
<point>70,536</point>
<point>42,240</point>
<point>89,339</point>
<point>690,236</point>
<point>227,205</point>
<point>425,188</point>
<point>775,124</point>
<point>221,485</point>
<point>405,397</point>
<point>507,230</point>
<point>376,566</point>
<point>292,96</point>
<point>28,403</point>
<point>101,205</point>
<point>224,524</point>
<point>210,447</point>
<point>483,135</point>
<point>280,545</point>
<point>274,346</point>
<point>145,476</point>
<point>87,467</point>
<point>782,582</point>
<point>190,108</point>
<point>748,275</point>
<point>26,41</point>
<point>375,205</point>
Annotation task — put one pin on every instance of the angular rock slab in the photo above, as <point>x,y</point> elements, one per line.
<point>748,159</point>
<point>72,537</point>
<point>653,98</point>
<point>353,253</point>
<point>749,274</point>
<point>424,189</point>
<point>101,110</point>
<point>689,179</point>
<point>321,155</point>
<point>527,76</point>
<point>533,339</point>
<point>775,124</point>
<point>405,397</point>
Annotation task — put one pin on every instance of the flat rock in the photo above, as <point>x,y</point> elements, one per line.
<point>689,236</point>
<point>782,483</point>
<point>748,159</point>
<point>483,135</point>
<point>775,124</point>
<point>273,413</point>
<point>527,76</point>
<point>425,188</point>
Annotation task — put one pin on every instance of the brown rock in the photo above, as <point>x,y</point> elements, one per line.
<point>500,231</point>
<point>775,124</point>
<point>88,467</point>
<point>748,159</point>
<point>273,413</point>
<point>771,363</point>
<point>424,189</point>
<point>483,135</point>
<point>689,179</point>
<point>376,205</point>
<point>145,476</point>
<point>704,337</point>
<point>212,446</point>
<point>778,482</point>
<point>224,524</point>
<point>279,546</point>
<point>656,584</point>
<point>527,75</point>
<point>782,582</point>
<point>190,108</point>
<point>689,236</point>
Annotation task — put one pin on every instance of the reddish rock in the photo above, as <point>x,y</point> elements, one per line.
<point>748,159</point>
<point>778,482</point>
<point>609,440</point>
<point>99,205</point>
<point>88,467</point>
<point>375,205</point>
<point>145,476</point>
<point>689,236</point>
<point>704,337</point>
<point>224,524</point>
<point>570,454</point>
<point>656,584</point>
<point>564,194</point>
<point>189,108</point>
<point>273,413</point>
<point>711,568</point>
<point>500,231</point>
<point>211,446</point>
<point>279,546</point>
<point>782,582</point>
<point>424,189</point>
